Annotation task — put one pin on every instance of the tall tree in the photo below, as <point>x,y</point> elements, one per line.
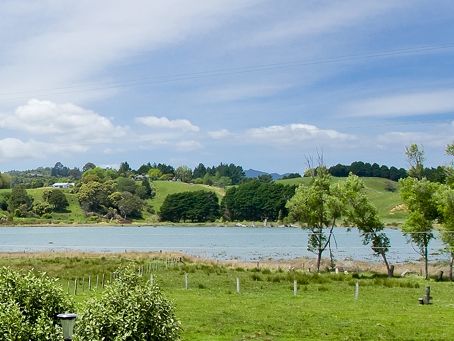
<point>445,197</point>
<point>317,207</point>
<point>419,197</point>
<point>363,215</point>
<point>415,158</point>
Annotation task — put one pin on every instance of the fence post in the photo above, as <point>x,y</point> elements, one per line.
<point>237,285</point>
<point>186,280</point>
<point>295,287</point>
<point>356,290</point>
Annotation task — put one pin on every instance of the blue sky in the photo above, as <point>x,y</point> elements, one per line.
<point>263,84</point>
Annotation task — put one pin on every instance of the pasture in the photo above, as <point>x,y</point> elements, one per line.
<point>265,308</point>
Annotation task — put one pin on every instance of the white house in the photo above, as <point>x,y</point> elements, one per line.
<point>63,185</point>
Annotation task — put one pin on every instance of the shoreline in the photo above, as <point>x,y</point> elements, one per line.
<point>306,264</point>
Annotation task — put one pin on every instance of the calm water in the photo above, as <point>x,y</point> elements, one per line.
<point>211,242</point>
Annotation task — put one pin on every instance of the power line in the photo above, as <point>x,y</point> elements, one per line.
<point>83,87</point>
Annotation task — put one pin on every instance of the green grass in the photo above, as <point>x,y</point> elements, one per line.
<point>383,193</point>
<point>164,188</point>
<point>265,308</point>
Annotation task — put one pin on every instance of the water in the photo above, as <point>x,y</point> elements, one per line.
<point>248,244</point>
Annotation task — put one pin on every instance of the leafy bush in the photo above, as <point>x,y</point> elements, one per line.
<point>129,309</point>
<point>29,305</point>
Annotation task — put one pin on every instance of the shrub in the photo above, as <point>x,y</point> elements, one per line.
<point>129,309</point>
<point>29,305</point>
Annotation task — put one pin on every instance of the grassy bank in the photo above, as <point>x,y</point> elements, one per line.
<point>265,308</point>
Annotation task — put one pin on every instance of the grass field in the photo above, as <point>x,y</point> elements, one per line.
<point>265,308</point>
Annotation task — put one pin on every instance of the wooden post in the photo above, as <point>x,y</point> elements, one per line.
<point>97,281</point>
<point>75,287</point>
<point>151,279</point>
<point>89,283</point>
<point>237,285</point>
<point>83,283</point>
<point>356,290</point>
<point>186,281</point>
<point>102,281</point>
<point>68,287</point>
<point>295,287</point>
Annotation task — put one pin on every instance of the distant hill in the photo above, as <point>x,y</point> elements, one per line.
<point>252,173</point>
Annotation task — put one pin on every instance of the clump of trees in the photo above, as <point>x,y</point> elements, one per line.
<point>197,206</point>
<point>256,200</point>
<point>362,169</point>
<point>104,192</point>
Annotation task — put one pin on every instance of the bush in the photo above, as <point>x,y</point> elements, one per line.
<point>29,305</point>
<point>129,309</point>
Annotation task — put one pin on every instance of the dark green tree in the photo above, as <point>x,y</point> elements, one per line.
<point>56,199</point>
<point>20,202</point>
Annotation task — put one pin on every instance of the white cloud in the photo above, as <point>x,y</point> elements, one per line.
<point>16,149</point>
<point>406,104</point>
<point>62,122</point>
<point>68,44</point>
<point>165,123</point>
<point>294,133</point>
<point>438,137</point>
<point>220,134</point>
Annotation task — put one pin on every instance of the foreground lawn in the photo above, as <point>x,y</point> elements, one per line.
<point>266,309</point>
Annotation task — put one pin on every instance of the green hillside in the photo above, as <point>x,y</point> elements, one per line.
<point>164,188</point>
<point>383,193</point>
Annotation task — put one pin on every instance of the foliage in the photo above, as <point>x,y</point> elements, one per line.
<point>128,309</point>
<point>154,173</point>
<point>291,176</point>
<point>183,173</point>
<point>368,170</point>
<point>94,196</point>
<point>128,204</point>
<point>124,184</point>
<point>56,199</point>
<point>360,213</point>
<point>419,197</point>
<point>197,206</point>
<point>19,202</point>
<point>30,304</point>
<point>415,157</point>
<point>5,180</point>
<point>256,200</point>
<point>317,207</point>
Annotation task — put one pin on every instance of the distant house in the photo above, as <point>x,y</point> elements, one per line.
<point>63,185</point>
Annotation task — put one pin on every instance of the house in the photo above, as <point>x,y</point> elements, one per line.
<point>63,185</point>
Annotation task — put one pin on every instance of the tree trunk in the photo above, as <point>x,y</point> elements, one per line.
<point>319,259</point>
<point>389,268</point>
<point>451,263</point>
<point>426,261</point>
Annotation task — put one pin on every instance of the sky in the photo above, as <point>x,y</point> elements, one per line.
<point>266,85</point>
